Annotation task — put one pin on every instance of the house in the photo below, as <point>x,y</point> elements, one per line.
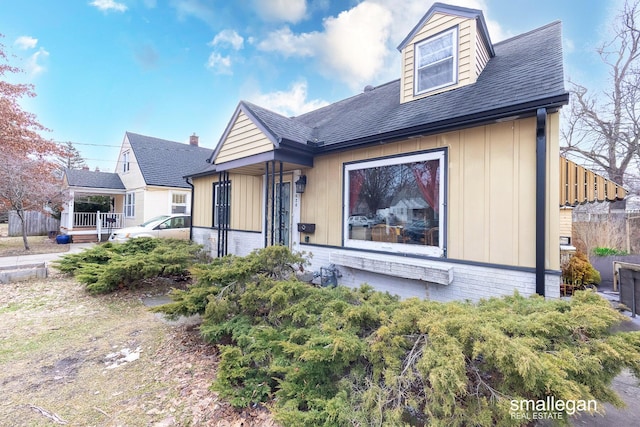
<point>148,182</point>
<point>471,128</point>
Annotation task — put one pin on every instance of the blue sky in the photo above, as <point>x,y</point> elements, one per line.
<point>169,68</point>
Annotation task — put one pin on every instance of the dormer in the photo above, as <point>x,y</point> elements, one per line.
<point>448,49</point>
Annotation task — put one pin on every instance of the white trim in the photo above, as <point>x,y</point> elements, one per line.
<point>437,251</point>
<point>454,57</point>
<point>130,204</point>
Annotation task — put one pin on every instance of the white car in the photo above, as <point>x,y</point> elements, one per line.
<point>165,226</point>
<point>358,221</point>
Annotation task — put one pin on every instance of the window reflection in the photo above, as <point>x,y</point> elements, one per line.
<point>395,203</point>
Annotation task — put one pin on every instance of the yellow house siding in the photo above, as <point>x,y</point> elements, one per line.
<point>491,191</point>
<point>482,54</point>
<point>566,222</point>
<point>244,139</point>
<point>203,201</point>
<point>466,53</point>
<point>246,202</point>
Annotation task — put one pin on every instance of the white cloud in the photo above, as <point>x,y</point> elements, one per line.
<point>106,5</point>
<point>195,8</point>
<point>285,42</point>
<point>358,46</point>
<point>219,64</point>
<point>281,10</point>
<point>290,103</point>
<point>228,37</point>
<point>34,65</point>
<point>569,45</point>
<point>26,42</point>
<point>352,47</point>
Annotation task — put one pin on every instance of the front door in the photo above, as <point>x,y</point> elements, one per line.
<point>282,226</point>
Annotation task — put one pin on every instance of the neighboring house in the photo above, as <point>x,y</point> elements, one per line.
<point>471,128</point>
<point>149,181</point>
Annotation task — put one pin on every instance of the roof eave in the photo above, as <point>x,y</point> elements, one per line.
<point>511,112</point>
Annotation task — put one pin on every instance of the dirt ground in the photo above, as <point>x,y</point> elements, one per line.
<point>68,358</point>
<point>11,246</point>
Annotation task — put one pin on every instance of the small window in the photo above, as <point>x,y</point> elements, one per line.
<point>125,161</point>
<point>178,203</point>
<point>436,61</point>
<point>130,205</point>
<point>221,203</point>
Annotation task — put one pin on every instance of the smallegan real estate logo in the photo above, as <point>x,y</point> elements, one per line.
<point>549,408</point>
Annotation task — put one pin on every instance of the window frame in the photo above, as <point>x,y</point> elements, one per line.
<point>216,206</point>
<point>126,161</point>
<point>185,204</point>
<point>439,154</point>
<point>130,204</point>
<point>454,56</point>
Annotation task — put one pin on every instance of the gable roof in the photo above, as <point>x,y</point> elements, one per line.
<point>452,10</point>
<point>165,163</point>
<point>525,74</point>
<point>93,179</point>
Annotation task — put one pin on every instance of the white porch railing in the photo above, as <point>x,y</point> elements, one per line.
<point>98,220</point>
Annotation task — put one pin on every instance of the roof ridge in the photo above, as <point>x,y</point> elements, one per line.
<point>535,30</point>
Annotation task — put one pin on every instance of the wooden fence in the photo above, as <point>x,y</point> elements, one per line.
<point>38,224</point>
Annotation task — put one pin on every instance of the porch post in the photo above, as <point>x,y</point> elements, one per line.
<point>71,207</point>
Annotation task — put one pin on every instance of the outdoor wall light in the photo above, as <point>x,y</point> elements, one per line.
<point>301,183</point>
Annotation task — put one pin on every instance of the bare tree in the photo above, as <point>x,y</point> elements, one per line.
<point>604,128</point>
<point>28,185</point>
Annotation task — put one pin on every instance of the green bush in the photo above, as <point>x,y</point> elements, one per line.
<point>579,271</point>
<point>333,357</point>
<point>601,251</point>
<point>111,266</point>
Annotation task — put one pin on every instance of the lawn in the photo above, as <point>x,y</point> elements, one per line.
<point>12,246</point>
<point>67,357</point>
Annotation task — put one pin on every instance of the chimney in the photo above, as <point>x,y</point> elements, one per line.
<point>193,140</point>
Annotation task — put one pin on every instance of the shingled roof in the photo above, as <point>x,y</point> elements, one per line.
<point>93,179</point>
<point>526,73</point>
<point>165,163</point>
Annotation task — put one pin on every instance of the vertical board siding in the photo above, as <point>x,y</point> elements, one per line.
<point>246,202</point>
<point>491,191</point>
<point>244,139</point>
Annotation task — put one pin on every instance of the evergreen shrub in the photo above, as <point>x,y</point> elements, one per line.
<point>111,266</point>
<point>358,357</point>
<point>604,251</point>
<point>579,271</point>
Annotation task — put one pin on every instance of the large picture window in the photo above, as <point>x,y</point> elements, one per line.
<point>436,61</point>
<point>396,204</point>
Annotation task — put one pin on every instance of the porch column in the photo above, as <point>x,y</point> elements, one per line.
<point>70,212</point>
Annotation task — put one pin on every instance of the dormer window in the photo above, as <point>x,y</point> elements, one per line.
<point>436,61</point>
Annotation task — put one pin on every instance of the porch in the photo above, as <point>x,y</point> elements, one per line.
<point>84,227</point>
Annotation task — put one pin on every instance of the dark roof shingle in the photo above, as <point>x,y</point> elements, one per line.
<point>526,71</point>
<point>165,163</point>
<point>93,179</point>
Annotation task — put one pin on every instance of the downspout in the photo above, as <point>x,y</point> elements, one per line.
<point>541,196</point>
<point>191,208</point>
